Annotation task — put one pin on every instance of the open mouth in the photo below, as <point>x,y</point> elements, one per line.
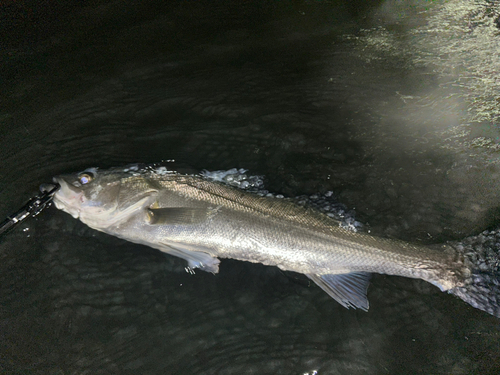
<point>68,198</point>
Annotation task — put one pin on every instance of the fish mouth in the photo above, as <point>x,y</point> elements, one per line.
<point>68,198</point>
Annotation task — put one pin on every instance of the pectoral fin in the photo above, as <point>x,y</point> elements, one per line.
<point>348,289</point>
<point>177,215</point>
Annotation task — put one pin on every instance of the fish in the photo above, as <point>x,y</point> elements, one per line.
<point>202,221</point>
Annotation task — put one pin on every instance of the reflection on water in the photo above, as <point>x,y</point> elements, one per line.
<point>392,106</point>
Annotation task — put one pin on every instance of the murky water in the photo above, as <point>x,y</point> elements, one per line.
<point>391,105</point>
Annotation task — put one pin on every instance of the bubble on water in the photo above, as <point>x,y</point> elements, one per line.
<point>482,250</point>
<point>237,178</point>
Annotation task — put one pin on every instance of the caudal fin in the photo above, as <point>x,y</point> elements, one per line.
<point>482,288</point>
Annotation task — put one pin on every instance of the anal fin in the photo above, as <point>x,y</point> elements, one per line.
<point>348,289</point>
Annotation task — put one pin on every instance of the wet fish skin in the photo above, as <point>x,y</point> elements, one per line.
<point>201,221</point>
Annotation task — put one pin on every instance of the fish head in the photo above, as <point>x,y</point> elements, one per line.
<point>101,198</point>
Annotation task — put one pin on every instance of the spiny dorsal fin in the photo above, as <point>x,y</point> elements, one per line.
<point>348,289</point>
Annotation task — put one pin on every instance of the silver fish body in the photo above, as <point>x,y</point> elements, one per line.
<point>201,221</point>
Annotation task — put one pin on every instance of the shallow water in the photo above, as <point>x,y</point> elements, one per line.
<point>391,105</point>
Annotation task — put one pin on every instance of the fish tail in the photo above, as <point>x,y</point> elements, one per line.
<point>481,284</point>
<point>482,291</point>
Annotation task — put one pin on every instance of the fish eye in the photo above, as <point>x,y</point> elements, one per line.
<point>85,178</point>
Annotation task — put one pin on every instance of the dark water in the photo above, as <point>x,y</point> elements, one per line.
<point>391,105</point>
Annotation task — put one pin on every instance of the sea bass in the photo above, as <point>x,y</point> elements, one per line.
<point>201,221</point>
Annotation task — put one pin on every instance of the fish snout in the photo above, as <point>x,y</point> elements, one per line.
<point>68,198</point>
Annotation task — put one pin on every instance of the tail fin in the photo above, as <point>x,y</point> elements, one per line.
<point>481,290</point>
<point>481,254</point>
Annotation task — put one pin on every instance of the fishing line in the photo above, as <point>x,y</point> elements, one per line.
<point>32,208</point>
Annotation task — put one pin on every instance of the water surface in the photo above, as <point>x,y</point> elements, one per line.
<point>391,105</point>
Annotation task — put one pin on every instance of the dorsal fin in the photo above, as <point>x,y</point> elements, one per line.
<point>348,289</point>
